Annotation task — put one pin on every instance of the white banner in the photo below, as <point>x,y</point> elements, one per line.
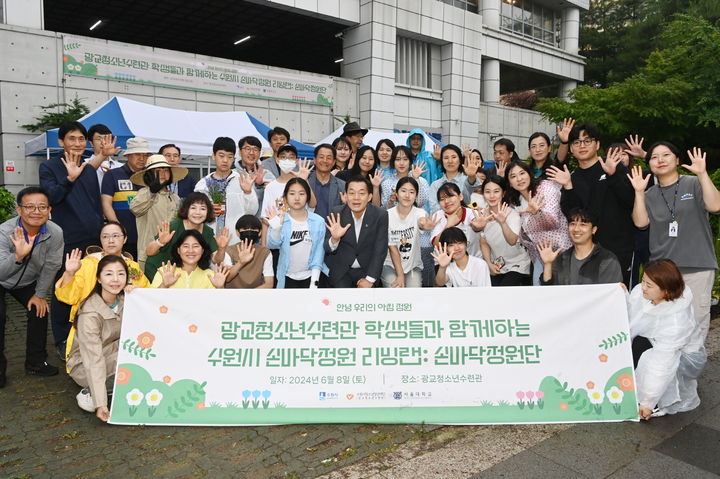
<point>85,57</point>
<point>436,355</point>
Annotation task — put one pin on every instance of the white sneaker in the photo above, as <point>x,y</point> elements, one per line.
<point>85,400</point>
<point>659,412</point>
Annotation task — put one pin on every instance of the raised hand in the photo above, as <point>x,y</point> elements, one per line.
<point>636,179</point>
<point>612,160</point>
<point>246,181</point>
<point>74,165</point>
<point>343,197</point>
<point>72,261</point>
<point>304,169</point>
<point>634,146</point>
<point>246,251</point>
<point>436,152</point>
<point>22,246</point>
<point>274,216</point>
<point>417,169</point>
<point>471,165</point>
<point>535,203</point>
<point>560,176</point>
<point>465,149</point>
<point>454,219</point>
<point>377,178</point>
<point>479,220</point>
<point>427,223</point>
<point>220,276</point>
<point>223,238</point>
<point>698,164</point>
<point>337,230</point>
<point>164,233</point>
<point>563,131</point>
<point>502,213</point>
<point>107,146</point>
<point>500,167</point>
<point>442,256</point>
<point>169,275</point>
<point>547,253</point>
<point>259,174</point>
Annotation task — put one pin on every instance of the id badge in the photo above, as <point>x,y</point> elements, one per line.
<point>673,229</point>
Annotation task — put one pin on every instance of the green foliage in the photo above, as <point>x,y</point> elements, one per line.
<point>7,205</point>
<point>56,114</point>
<point>674,97</point>
<point>614,340</point>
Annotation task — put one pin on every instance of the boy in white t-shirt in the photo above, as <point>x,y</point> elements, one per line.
<point>456,268</point>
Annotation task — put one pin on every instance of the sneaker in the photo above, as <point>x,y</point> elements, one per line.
<point>61,350</point>
<point>43,369</point>
<point>85,400</point>
<point>659,412</point>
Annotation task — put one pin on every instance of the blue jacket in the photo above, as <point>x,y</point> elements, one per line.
<point>76,206</point>
<point>316,225</point>
<point>432,166</point>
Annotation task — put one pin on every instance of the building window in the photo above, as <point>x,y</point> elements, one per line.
<point>413,62</point>
<point>469,5</point>
<point>531,20</point>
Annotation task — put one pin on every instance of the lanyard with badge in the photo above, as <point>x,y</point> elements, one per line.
<point>673,226</point>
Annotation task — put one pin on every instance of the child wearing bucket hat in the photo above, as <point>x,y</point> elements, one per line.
<point>154,203</point>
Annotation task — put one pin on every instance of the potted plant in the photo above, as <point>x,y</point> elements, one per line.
<point>216,193</point>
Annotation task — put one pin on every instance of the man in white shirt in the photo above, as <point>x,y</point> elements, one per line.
<point>103,144</point>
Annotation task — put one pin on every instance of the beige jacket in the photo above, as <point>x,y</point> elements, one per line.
<point>93,355</point>
<point>151,209</point>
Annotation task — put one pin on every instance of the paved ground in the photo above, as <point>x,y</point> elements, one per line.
<point>44,434</point>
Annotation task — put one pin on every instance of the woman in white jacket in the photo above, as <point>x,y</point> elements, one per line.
<point>660,310</point>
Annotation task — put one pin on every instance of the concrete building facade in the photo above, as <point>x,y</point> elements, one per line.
<point>438,65</point>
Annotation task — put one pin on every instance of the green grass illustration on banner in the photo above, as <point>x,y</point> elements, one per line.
<point>614,340</point>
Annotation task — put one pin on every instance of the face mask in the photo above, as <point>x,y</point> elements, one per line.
<point>286,166</point>
<point>253,236</point>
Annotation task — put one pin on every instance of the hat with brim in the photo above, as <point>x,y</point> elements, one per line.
<point>158,161</point>
<point>137,145</point>
<point>287,147</point>
<point>352,128</point>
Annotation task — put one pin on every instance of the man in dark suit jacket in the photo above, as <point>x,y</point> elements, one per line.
<point>326,186</point>
<point>356,241</point>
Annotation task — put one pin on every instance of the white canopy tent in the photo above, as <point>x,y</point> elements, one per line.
<point>373,136</point>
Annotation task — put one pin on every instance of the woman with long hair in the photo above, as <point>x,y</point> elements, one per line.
<point>403,166</point>
<point>507,258</point>
<point>299,235</point>
<point>542,218</point>
<point>343,154</point>
<point>93,354</point>
<point>454,171</point>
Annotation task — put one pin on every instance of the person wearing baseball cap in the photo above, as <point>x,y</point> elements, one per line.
<point>154,203</point>
<point>117,190</point>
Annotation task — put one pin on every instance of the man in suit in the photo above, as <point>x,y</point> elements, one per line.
<point>326,186</point>
<point>356,241</point>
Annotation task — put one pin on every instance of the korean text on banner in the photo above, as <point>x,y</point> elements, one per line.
<point>454,356</point>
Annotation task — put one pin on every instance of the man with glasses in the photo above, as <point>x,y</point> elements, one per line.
<point>30,255</point>
<point>602,187</point>
<point>103,145</point>
<point>249,162</point>
<point>173,156</point>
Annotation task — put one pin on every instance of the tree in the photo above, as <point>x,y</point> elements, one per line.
<point>675,96</point>
<point>53,119</point>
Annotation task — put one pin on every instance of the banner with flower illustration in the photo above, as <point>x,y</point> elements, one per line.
<point>453,356</point>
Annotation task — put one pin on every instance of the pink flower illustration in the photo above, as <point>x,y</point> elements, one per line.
<point>167,379</point>
<point>530,394</point>
<point>539,394</point>
<point>520,395</point>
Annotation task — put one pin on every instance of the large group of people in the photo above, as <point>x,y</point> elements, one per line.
<point>356,215</point>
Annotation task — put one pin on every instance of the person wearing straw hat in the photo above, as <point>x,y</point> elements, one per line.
<point>117,190</point>
<point>154,203</point>
<point>354,134</point>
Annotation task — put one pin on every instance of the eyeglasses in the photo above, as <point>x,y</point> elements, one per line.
<point>30,208</point>
<point>115,236</point>
<point>583,142</point>
<point>250,149</point>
